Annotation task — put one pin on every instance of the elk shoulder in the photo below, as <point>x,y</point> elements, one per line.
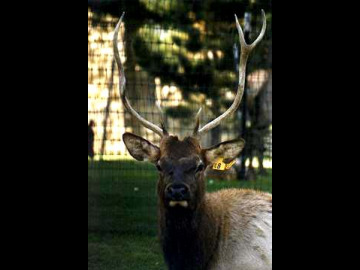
<point>244,221</point>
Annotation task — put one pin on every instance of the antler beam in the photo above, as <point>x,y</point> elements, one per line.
<point>122,82</point>
<point>245,52</point>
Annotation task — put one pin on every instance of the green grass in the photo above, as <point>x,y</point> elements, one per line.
<point>122,214</point>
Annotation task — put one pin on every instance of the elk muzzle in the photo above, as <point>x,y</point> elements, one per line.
<point>177,194</point>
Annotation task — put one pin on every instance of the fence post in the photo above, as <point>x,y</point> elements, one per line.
<point>107,111</point>
<point>242,172</point>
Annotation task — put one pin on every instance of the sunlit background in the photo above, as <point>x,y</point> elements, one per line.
<point>144,88</point>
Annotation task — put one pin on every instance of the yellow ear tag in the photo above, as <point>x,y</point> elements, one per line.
<point>220,165</point>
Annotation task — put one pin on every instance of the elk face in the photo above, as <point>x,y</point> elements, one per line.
<point>181,165</point>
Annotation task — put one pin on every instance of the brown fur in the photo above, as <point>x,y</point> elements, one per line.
<point>204,235</point>
<point>172,147</point>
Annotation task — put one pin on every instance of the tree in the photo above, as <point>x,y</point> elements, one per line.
<point>188,44</point>
<point>201,35</point>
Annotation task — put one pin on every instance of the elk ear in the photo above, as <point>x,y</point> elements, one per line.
<point>228,150</point>
<point>141,149</point>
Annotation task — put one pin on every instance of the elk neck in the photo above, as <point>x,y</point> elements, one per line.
<point>189,237</point>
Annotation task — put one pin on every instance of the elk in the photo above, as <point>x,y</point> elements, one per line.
<point>228,229</point>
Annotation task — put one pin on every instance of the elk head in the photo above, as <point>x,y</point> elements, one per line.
<point>181,163</point>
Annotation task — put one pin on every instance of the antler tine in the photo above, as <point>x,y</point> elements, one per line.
<point>245,52</point>
<point>165,132</point>
<point>122,82</point>
<point>258,39</point>
<point>197,117</point>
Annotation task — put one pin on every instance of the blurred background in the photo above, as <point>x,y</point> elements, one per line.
<point>184,54</point>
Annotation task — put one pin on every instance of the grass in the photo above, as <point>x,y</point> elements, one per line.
<point>122,214</point>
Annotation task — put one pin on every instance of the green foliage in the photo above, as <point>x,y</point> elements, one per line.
<point>172,40</point>
<point>194,44</point>
<point>182,112</point>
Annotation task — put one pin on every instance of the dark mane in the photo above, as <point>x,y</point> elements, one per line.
<point>185,246</point>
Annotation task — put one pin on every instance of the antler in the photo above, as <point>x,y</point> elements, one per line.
<point>245,52</point>
<point>122,81</point>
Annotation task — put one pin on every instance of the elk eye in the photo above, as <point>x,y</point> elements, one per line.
<point>158,167</point>
<point>200,167</point>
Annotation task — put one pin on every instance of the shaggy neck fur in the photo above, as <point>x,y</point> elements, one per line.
<point>189,238</point>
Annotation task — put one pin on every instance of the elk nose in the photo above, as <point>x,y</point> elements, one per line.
<point>177,192</point>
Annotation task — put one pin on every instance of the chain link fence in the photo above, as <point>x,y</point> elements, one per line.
<point>163,63</point>
<point>184,55</point>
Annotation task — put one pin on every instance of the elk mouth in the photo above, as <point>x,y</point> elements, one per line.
<point>184,203</point>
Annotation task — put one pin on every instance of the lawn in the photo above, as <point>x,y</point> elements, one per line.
<point>122,216</point>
